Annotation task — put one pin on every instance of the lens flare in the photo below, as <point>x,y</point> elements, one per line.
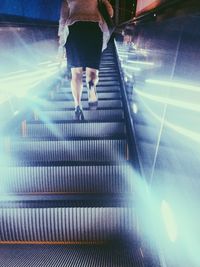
<point>169,221</point>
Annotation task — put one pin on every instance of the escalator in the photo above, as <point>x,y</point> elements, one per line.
<point>67,188</point>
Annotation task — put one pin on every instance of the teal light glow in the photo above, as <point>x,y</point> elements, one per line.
<point>169,101</point>
<point>174,85</point>
<point>141,62</point>
<point>169,221</point>
<point>192,135</point>
<point>130,67</point>
<point>19,85</point>
<point>135,108</point>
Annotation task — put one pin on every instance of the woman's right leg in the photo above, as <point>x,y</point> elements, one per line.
<point>77,85</point>
<point>77,88</point>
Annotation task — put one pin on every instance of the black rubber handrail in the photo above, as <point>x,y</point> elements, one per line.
<point>133,150</point>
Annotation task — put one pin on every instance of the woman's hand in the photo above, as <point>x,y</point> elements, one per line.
<point>61,53</point>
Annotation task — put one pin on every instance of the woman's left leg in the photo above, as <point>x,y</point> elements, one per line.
<point>92,78</point>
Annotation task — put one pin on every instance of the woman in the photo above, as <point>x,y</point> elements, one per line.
<point>84,33</point>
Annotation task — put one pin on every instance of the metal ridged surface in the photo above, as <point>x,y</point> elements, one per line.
<point>101,96</point>
<point>65,224</point>
<point>66,87</point>
<point>104,129</point>
<point>87,150</point>
<point>70,104</point>
<point>106,213</point>
<point>70,256</point>
<point>96,115</point>
<point>93,179</point>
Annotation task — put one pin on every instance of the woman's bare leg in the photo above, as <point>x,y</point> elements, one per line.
<point>92,78</point>
<point>77,85</point>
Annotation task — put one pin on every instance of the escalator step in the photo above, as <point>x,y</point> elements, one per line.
<point>114,81</point>
<point>80,130</point>
<point>108,83</point>
<point>57,105</point>
<point>78,224</point>
<point>66,88</point>
<point>109,71</point>
<point>78,179</point>
<point>68,150</point>
<point>94,115</point>
<point>108,75</point>
<point>101,96</point>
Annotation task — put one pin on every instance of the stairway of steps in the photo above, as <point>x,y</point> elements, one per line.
<point>67,186</point>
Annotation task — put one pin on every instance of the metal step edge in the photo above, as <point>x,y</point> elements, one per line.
<point>63,163</point>
<point>46,109</point>
<point>67,90</point>
<point>71,121</point>
<point>65,200</point>
<point>24,139</point>
<point>86,101</point>
<point>70,138</point>
<point>82,99</point>
<point>102,95</point>
<point>105,104</point>
<point>116,115</point>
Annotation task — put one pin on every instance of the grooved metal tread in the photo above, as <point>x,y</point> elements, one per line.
<point>108,82</point>
<point>78,178</point>
<point>70,181</point>
<point>70,256</point>
<point>70,104</point>
<point>67,150</point>
<point>107,77</point>
<point>107,74</point>
<point>107,70</point>
<point>68,96</point>
<point>65,88</point>
<point>90,115</point>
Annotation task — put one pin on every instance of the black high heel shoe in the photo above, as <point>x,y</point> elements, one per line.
<point>79,113</point>
<point>93,104</point>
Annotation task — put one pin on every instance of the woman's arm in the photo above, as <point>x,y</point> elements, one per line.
<point>64,13</point>
<point>109,7</point>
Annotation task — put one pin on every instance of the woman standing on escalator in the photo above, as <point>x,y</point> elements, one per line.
<point>84,34</point>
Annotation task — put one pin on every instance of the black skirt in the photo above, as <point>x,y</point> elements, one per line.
<point>84,45</point>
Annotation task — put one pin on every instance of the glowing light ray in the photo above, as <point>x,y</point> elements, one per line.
<point>128,75</point>
<point>169,221</point>
<point>44,62</point>
<point>23,44</point>
<point>172,102</point>
<point>130,67</point>
<point>182,131</point>
<point>174,85</point>
<point>53,64</point>
<point>35,104</point>
<point>55,131</point>
<point>20,87</point>
<point>34,73</point>
<point>13,72</point>
<point>44,118</point>
<point>31,79</point>
<point>141,62</point>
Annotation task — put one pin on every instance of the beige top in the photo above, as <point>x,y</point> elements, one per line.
<point>82,10</point>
